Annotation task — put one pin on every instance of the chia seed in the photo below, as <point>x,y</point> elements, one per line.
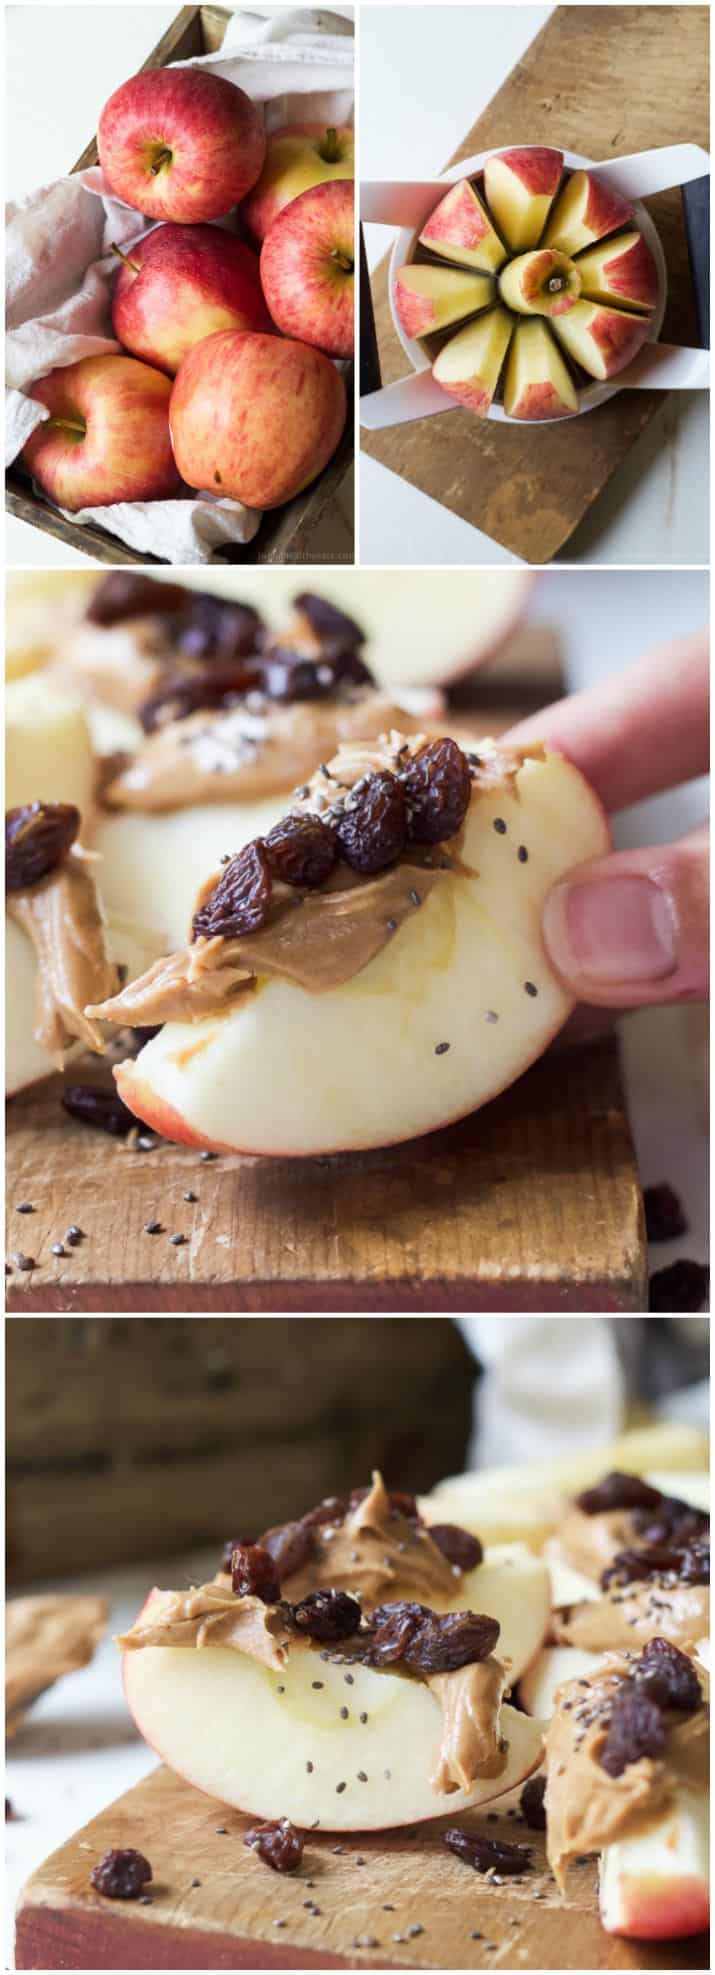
<point>491,1015</point>
<point>152,1227</point>
<point>191,1196</point>
<point>177,1240</point>
<point>529,988</point>
<point>25,1207</point>
<point>523,854</point>
<point>500,826</point>
<point>57,1248</point>
<point>441,1048</point>
<point>415,898</point>
<point>205,1156</point>
<point>24,1262</point>
<point>339,1787</point>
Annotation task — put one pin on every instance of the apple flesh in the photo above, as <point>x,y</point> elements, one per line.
<point>25,1062</point>
<point>178,144</point>
<point>308,268</point>
<point>657,1887</point>
<point>469,365</point>
<point>460,229</point>
<point>153,866</point>
<point>551,1665</point>
<point>255,417</point>
<point>601,339</point>
<point>428,298</point>
<point>622,271</point>
<point>587,209</point>
<point>357,1066</point>
<point>48,748</point>
<point>297,156</point>
<point>180,284</point>
<point>520,186</point>
<point>107,436</point>
<point>544,283</point>
<point>537,383</point>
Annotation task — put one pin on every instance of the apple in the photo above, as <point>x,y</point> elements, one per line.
<point>308,268</point>
<point>48,747</point>
<point>543,283</point>
<point>297,156</point>
<point>520,185</point>
<point>428,298</point>
<point>359,1065</point>
<point>153,866</point>
<point>620,270</point>
<point>255,417</point>
<point>179,144</point>
<point>107,436</point>
<point>602,340</point>
<point>551,1665</point>
<point>180,284</point>
<point>537,383</point>
<point>512,1585</point>
<point>469,365</point>
<point>586,210</point>
<point>656,1886</point>
<point>460,230</point>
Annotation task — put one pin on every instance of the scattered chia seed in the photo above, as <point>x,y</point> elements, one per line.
<point>145,1143</point>
<point>57,1248</point>
<point>500,826</point>
<point>317,1683</point>
<point>339,1787</point>
<point>391,925</point>
<point>441,1048</point>
<point>145,1899</point>
<point>363,1719</point>
<point>345,1714</point>
<point>349,1679</point>
<point>221,1830</point>
<point>177,1240</point>
<point>414,897</point>
<point>523,854</point>
<point>73,1237</point>
<point>281,1690</point>
<point>205,1156</point>
<point>276,1923</point>
<point>529,988</point>
<point>196,1882</point>
<point>152,1227</point>
<point>191,1196</point>
<point>491,1015</point>
<point>361,1776</point>
<point>25,1207</point>
<point>414,1931</point>
<point>24,1262</point>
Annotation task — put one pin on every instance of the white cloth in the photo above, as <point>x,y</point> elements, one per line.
<point>60,268</point>
<point>551,1385</point>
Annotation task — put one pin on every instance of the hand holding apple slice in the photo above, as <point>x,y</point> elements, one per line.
<point>297,156</point>
<point>179,144</point>
<point>621,271</point>
<point>537,383</point>
<point>587,209</point>
<point>183,283</point>
<point>308,268</point>
<point>460,229</point>
<point>428,298</point>
<point>107,436</point>
<point>469,365</point>
<point>520,186</point>
<point>601,339</point>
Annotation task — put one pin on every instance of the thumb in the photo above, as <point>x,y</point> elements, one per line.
<point>633,927</point>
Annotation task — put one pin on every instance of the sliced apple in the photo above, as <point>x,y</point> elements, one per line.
<point>601,339</point>
<point>48,749</point>
<point>622,271</point>
<point>511,1585</point>
<point>541,283</point>
<point>520,186</point>
<point>154,865</point>
<point>428,298</point>
<point>537,383</point>
<point>469,365</point>
<point>537,1686</point>
<point>25,1061</point>
<point>587,209</point>
<point>568,1586</point>
<point>656,1887</point>
<point>460,230</point>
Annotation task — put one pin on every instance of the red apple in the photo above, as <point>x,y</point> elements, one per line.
<point>180,284</point>
<point>587,208</point>
<point>255,417</point>
<point>180,144</point>
<point>519,187</point>
<point>308,268</point>
<point>620,270</point>
<point>107,438</point>
<point>602,340</point>
<point>298,156</point>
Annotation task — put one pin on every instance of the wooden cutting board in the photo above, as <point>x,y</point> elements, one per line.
<point>369,1890</point>
<point>602,81</point>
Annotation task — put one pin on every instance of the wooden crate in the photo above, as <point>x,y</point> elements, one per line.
<point>286,533</point>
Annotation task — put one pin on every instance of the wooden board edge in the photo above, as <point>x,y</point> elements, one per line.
<point>384,1297</point>
<point>84,1938</point>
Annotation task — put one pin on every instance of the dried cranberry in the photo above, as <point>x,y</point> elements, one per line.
<point>636,1729</point>
<point>254,1573</point>
<point>301,850</point>
<point>438,787</point>
<point>682,1286</point>
<point>184,693</point>
<point>38,836</point>
<point>459,1547</point>
<point>121,1874</point>
<point>328,621</point>
<point>241,900</point>
<point>668,1676</point>
<point>532,1803</point>
<point>430,1642</point>
<point>217,627</point>
<point>102,1108</point>
<point>278,1843</point>
<point>372,832</point>
<point>664,1217</point>
<point>618,1491</point>
<point>487,1854</point>
<point>327,1615</point>
<point>123,594</point>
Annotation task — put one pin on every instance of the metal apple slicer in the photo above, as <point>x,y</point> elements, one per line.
<point>481,326</point>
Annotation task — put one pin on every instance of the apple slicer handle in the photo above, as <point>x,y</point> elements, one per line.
<point>646,172</point>
<point>399,201</point>
<point>411,397</point>
<point>667,367</point>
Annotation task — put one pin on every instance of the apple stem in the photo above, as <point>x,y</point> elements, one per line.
<point>330,148</point>
<point>76,426</point>
<point>342,260</point>
<point>124,258</point>
<point>162,158</point>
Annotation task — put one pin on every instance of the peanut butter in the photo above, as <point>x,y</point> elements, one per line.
<point>590,1543</point>
<point>631,1614</point>
<point>379,1555</point>
<point>62,917</point>
<point>212,1616</point>
<point>471,1744</point>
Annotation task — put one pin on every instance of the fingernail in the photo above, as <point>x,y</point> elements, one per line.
<point>610,930</point>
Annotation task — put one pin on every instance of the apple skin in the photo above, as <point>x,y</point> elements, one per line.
<point>469,365</point>
<point>183,283</point>
<point>520,185</point>
<point>460,229</point>
<point>178,144</point>
<point>422,296</point>
<point>586,210</point>
<point>124,452</point>
<point>255,417</point>
<point>537,384</point>
<point>308,268</point>
<point>295,160</point>
<point>622,271</point>
<point>601,339</point>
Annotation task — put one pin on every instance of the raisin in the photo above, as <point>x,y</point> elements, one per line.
<point>664,1217</point>
<point>10,1812</point>
<point>301,850</point>
<point>38,836</point>
<point>682,1286</point>
<point>123,594</point>
<point>618,1491</point>
<point>430,1642</point>
<point>689,1564</point>
<point>459,1547</point>
<point>672,1521</point>
<point>234,1543</point>
<point>241,900</point>
<point>278,1843</point>
<point>327,1615</point>
<point>254,1573</point>
<point>532,1803</point>
<point>291,1547</point>
<point>211,627</point>
<point>695,1562</point>
<point>438,786</point>
<point>331,1509</point>
<point>184,693</point>
<point>372,832</point>
<point>327,621</point>
<point>121,1874</point>
<point>636,1729</point>
<point>101,1108</point>
<point>487,1854</point>
<point>668,1676</point>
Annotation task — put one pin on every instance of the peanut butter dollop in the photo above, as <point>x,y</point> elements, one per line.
<point>212,1616</point>
<point>631,1614</point>
<point>590,1543</point>
<point>62,917</point>
<point>471,1744</point>
<point>379,1555</point>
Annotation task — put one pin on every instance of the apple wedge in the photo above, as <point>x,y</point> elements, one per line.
<point>587,209</point>
<point>365,1063</point>
<point>428,298</point>
<point>622,271</point>
<point>544,283</point>
<point>511,1585</point>
<point>551,1665</point>
<point>537,383</point>
<point>277,1745</point>
<point>48,746</point>
<point>469,365</point>
<point>520,186</point>
<point>601,339</point>
<point>656,1887</point>
<point>154,865</point>
<point>460,230</point>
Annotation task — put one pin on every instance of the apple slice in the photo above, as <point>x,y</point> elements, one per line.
<point>154,865</point>
<point>656,1887</point>
<point>587,209</point>
<point>520,185</point>
<point>537,383</point>
<point>428,298</point>
<point>602,340</point>
<point>48,749</point>
<point>537,1686</point>
<point>469,365</point>
<point>363,1064</point>
<point>275,1744</point>
<point>543,283</point>
<point>622,271</point>
<point>460,230</point>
